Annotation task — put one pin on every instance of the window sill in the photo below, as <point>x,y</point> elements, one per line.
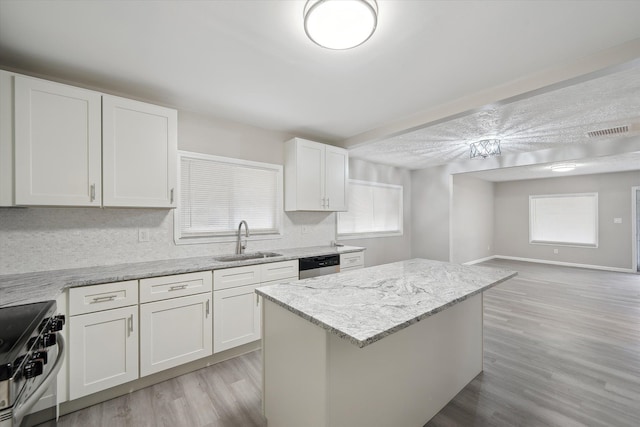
<point>369,235</point>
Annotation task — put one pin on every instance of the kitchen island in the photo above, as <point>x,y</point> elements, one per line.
<point>384,346</point>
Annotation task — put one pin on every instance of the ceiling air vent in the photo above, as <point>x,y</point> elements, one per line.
<point>608,132</point>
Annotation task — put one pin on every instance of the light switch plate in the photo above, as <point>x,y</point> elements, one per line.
<point>617,220</point>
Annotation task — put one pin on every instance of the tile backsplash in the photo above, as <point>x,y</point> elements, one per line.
<point>40,239</point>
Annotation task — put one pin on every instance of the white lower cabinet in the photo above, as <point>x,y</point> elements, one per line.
<point>236,317</point>
<point>174,329</point>
<point>351,261</point>
<point>236,306</point>
<point>103,350</point>
<point>174,332</point>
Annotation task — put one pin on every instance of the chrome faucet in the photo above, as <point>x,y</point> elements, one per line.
<point>239,246</point>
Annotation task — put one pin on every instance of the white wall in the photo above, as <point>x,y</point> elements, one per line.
<point>382,250</point>
<point>472,217</point>
<point>430,198</point>
<point>38,239</point>
<point>614,200</point>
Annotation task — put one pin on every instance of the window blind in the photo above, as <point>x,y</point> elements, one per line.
<point>374,209</point>
<point>570,219</point>
<point>216,193</point>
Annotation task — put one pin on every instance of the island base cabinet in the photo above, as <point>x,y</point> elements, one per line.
<point>103,350</point>
<point>174,332</point>
<point>314,378</point>
<point>236,317</point>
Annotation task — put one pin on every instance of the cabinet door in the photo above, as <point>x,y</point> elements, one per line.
<point>236,317</point>
<point>57,144</point>
<point>139,154</point>
<point>174,331</point>
<point>336,178</point>
<point>103,350</point>
<point>310,175</point>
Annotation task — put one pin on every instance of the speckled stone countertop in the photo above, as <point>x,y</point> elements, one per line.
<point>364,306</point>
<point>47,285</point>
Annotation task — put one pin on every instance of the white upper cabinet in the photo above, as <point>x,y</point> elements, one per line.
<point>65,146</point>
<point>140,144</point>
<point>57,144</point>
<point>316,176</point>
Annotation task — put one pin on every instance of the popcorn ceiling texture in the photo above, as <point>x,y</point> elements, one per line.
<point>41,239</point>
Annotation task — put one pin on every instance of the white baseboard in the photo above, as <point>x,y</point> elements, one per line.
<point>565,264</point>
<point>476,261</point>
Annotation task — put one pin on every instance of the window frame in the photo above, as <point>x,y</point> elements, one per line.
<point>594,245</point>
<point>203,238</point>
<point>375,234</point>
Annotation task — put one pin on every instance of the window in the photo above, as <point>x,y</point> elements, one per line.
<point>216,193</point>
<point>565,219</point>
<point>375,210</point>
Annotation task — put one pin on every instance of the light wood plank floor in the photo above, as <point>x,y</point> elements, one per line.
<point>561,348</point>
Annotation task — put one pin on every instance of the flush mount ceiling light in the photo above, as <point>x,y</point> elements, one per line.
<point>340,24</point>
<point>563,167</point>
<point>485,148</point>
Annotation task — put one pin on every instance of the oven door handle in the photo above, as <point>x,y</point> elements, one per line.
<point>19,413</point>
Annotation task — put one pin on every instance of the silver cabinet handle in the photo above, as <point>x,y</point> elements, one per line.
<point>130,323</point>
<point>207,308</point>
<point>257,299</point>
<point>328,203</point>
<point>92,195</point>
<point>171,195</point>
<point>105,298</point>
<point>178,287</point>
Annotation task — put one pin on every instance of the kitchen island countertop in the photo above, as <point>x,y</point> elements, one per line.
<point>38,286</point>
<point>366,305</point>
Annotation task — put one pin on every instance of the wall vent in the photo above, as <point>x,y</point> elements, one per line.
<point>608,132</point>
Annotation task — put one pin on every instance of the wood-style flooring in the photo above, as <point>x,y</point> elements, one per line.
<point>561,348</point>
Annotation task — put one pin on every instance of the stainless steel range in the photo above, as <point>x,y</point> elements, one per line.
<point>31,354</point>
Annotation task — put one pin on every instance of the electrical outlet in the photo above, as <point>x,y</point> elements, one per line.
<point>304,229</point>
<point>617,220</point>
<point>555,251</point>
<point>143,235</point>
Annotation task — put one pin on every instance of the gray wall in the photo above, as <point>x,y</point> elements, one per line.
<point>38,239</point>
<point>381,250</point>
<point>614,199</point>
<point>472,217</point>
<point>430,198</point>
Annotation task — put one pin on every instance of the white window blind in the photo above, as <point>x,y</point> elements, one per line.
<point>216,193</point>
<point>375,210</point>
<point>569,219</point>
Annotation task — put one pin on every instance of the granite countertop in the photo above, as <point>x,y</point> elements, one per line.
<point>364,306</point>
<point>48,285</point>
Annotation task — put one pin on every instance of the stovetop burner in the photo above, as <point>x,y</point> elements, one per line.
<point>17,323</point>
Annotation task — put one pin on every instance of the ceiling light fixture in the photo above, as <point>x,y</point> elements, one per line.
<point>340,24</point>
<point>563,167</point>
<point>485,148</point>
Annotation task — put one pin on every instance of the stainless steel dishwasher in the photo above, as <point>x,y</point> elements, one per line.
<point>318,266</point>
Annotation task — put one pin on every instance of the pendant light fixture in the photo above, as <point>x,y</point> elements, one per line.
<point>340,24</point>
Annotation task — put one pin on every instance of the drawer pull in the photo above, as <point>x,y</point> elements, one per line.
<point>105,298</point>
<point>178,287</point>
<point>207,308</point>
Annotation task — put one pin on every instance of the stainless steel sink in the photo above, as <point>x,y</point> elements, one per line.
<point>247,256</point>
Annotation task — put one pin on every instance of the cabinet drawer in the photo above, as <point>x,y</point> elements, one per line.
<point>354,259</point>
<point>279,270</point>
<point>88,299</point>
<point>237,276</point>
<point>179,285</point>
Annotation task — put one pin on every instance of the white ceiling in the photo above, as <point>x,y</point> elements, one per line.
<point>554,119</point>
<point>250,62</point>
